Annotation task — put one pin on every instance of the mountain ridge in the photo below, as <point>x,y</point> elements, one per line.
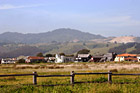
<point>58,35</point>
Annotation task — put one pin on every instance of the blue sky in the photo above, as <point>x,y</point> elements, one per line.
<point>105,17</point>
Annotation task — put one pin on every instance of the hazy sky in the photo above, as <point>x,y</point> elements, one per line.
<point>105,17</point>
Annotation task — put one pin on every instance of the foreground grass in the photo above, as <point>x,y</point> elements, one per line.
<point>19,84</point>
<point>78,88</point>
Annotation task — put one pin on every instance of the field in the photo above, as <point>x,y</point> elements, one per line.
<point>23,84</point>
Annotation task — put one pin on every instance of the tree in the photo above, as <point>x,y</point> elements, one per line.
<point>62,54</point>
<point>21,61</point>
<point>83,51</point>
<point>39,55</point>
<point>49,55</point>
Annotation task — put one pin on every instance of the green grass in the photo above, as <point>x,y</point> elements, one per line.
<point>20,84</point>
<point>78,88</point>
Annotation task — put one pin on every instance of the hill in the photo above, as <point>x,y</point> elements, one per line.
<point>124,39</point>
<point>133,48</point>
<point>15,50</point>
<point>58,35</point>
<point>18,51</point>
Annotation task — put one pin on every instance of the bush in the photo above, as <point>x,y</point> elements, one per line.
<point>21,61</point>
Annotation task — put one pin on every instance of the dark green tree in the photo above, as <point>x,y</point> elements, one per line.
<point>83,51</point>
<point>62,54</point>
<point>49,55</point>
<point>39,55</point>
<point>21,61</point>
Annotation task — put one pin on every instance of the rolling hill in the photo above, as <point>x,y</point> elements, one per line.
<point>124,39</point>
<point>58,35</point>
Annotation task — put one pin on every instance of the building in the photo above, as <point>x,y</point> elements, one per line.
<point>138,56</point>
<point>32,59</point>
<point>51,59</point>
<point>97,58</point>
<point>126,57</point>
<point>8,61</point>
<point>63,59</point>
<point>83,57</point>
<point>104,58</point>
<point>108,57</point>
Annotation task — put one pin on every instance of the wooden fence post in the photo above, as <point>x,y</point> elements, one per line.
<point>110,77</point>
<point>35,78</point>
<point>72,77</point>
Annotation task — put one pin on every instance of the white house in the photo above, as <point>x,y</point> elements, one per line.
<point>126,57</point>
<point>59,59</point>
<point>83,57</point>
<point>138,56</point>
<point>8,61</point>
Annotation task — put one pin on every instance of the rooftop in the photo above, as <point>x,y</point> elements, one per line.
<point>126,55</point>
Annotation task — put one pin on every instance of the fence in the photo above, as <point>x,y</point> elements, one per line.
<point>72,76</point>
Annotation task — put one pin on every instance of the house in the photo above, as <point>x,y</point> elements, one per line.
<point>61,59</point>
<point>108,57</point>
<point>138,56</point>
<point>8,61</point>
<point>97,58</point>
<point>83,57</point>
<point>105,57</point>
<point>126,57</point>
<point>68,59</point>
<point>51,59</point>
<point>31,59</point>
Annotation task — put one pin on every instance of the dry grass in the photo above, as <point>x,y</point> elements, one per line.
<point>59,69</point>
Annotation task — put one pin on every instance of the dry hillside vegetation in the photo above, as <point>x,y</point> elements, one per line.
<point>74,66</point>
<point>124,39</point>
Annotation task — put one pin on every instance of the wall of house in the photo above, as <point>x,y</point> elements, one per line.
<point>119,59</point>
<point>138,59</point>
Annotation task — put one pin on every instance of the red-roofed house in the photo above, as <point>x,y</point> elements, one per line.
<point>126,57</point>
<point>32,59</point>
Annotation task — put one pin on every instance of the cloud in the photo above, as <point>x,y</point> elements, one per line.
<point>9,6</point>
<point>106,21</point>
<point>117,21</point>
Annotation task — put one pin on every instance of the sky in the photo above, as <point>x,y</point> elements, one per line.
<point>104,17</point>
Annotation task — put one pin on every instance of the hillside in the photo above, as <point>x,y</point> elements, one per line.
<point>123,39</point>
<point>18,51</point>
<point>15,50</point>
<point>58,35</point>
<point>73,48</point>
<point>133,48</point>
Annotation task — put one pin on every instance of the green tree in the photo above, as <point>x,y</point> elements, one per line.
<point>62,54</point>
<point>49,55</point>
<point>39,55</point>
<point>83,51</point>
<point>21,61</point>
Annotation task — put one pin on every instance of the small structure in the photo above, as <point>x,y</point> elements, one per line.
<point>61,59</point>
<point>8,61</point>
<point>108,57</point>
<point>126,57</point>
<point>51,59</point>
<point>68,59</point>
<point>97,58</point>
<point>83,57</point>
<point>31,59</point>
<point>138,56</point>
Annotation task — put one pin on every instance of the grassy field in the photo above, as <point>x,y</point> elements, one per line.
<point>23,84</point>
